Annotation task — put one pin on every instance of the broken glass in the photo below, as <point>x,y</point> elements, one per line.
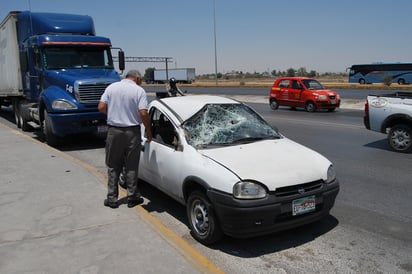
<point>226,124</point>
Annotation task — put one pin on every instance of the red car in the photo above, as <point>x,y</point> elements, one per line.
<point>302,92</point>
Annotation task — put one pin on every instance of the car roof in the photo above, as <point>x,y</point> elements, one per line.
<point>294,78</point>
<point>186,106</point>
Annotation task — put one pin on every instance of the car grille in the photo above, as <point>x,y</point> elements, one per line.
<point>91,93</point>
<point>298,189</point>
<point>332,97</point>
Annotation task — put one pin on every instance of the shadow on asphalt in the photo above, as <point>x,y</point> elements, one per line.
<point>244,248</point>
<point>379,144</point>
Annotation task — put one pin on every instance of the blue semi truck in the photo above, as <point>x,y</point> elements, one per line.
<point>53,70</point>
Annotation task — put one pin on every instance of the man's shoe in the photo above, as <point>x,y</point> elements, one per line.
<point>110,204</point>
<point>133,203</point>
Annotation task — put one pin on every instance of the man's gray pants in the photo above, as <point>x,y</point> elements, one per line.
<point>123,150</point>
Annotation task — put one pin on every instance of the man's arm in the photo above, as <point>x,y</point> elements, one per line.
<point>146,122</point>
<point>102,107</point>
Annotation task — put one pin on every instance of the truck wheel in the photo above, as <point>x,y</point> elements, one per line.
<point>51,139</point>
<point>202,220</point>
<point>16,112</point>
<point>274,105</point>
<point>22,121</point>
<point>399,138</point>
<point>310,106</point>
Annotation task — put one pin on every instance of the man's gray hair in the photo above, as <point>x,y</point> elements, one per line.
<point>133,73</point>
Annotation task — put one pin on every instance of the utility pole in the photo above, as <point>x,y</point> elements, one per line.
<point>214,32</point>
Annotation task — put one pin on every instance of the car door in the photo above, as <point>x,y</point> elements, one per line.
<point>295,92</point>
<point>283,91</point>
<point>160,161</point>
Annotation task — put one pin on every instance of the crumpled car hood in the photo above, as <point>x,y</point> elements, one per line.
<point>274,163</point>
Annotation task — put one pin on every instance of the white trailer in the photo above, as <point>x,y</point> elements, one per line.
<point>10,76</point>
<point>182,75</point>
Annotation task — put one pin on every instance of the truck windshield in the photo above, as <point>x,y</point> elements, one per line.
<point>77,57</point>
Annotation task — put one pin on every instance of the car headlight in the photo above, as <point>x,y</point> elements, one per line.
<point>63,105</point>
<point>249,190</point>
<point>322,97</point>
<point>331,174</point>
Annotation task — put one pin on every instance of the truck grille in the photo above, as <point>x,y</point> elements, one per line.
<point>90,93</point>
<point>298,189</point>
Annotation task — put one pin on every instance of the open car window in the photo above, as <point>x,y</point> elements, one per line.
<point>163,130</point>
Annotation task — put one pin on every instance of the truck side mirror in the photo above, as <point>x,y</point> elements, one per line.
<point>121,60</point>
<point>24,65</point>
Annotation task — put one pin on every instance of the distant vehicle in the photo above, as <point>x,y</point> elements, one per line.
<point>236,174</point>
<point>391,114</point>
<point>302,92</point>
<point>400,73</point>
<point>53,70</point>
<point>182,75</point>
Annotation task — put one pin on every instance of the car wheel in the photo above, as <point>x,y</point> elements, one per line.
<point>399,138</point>
<point>310,106</point>
<point>202,220</point>
<point>274,105</point>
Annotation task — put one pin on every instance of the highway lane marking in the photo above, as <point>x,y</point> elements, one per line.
<point>192,255</point>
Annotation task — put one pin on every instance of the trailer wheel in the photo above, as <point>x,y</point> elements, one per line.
<point>51,138</point>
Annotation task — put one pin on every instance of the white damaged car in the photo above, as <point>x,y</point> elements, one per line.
<point>236,174</point>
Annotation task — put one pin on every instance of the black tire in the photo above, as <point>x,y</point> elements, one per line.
<point>51,139</point>
<point>310,106</point>
<point>400,138</point>
<point>362,81</point>
<point>401,81</point>
<point>23,121</point>
<point>202,220</point>
<point>16,112</point>
<point>274,105</point>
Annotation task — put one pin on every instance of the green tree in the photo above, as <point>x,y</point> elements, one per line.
<point>148,74</point>
<point>290,72</point>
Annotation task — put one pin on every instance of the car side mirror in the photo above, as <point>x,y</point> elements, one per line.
<point>178,146</point>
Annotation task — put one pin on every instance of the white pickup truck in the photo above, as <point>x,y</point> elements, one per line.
<point>391,114</point>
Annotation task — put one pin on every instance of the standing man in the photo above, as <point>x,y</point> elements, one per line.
<point>125,104</point>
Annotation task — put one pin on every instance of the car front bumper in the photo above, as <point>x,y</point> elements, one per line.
<point>249,218</point>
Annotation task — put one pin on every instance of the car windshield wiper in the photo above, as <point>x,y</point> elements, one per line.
<point>254,139</point>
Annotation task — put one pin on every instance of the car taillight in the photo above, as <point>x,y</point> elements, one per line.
<point>366,108</point>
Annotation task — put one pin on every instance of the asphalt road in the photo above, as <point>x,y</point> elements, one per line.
<point>369,229</point>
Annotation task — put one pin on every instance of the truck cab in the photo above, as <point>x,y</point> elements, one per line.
<point>64,69</point>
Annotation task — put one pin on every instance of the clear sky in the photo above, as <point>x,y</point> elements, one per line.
<point>251,36</point>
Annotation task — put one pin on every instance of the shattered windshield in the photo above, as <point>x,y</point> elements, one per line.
<point>226,124</point>
<point>77,57</point>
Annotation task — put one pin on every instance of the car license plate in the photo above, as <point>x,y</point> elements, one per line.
<point>102,129</point>
<point>303,205</point>
<point>333,102</point>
